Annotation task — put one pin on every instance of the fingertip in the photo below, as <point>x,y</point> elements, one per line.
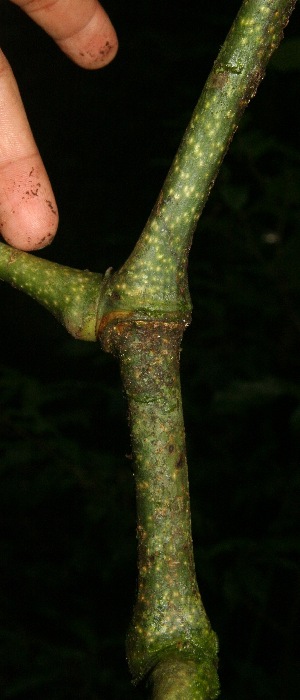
<point>29,218</point>
<point>30,232</point>
<point>82,30</point>
<point>28,212</point>
<point>93,47</point>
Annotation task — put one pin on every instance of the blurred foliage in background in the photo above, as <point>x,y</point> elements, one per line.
<point>68,553</point>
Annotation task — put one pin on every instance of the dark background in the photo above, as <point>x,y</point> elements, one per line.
<point>68,549</point>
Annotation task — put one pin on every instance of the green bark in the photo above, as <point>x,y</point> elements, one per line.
<point>169,616</point>
<point>175,679</point>
<point>73,296</point>
<point>154,276</point>
<point>139,314</point>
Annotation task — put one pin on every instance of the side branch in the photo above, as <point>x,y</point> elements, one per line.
<point>72,296</point>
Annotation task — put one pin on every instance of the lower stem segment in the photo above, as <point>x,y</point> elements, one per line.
<point>169,629</point>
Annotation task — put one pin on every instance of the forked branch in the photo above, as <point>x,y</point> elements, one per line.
<point>139,314</point>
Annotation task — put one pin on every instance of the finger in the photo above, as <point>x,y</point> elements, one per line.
<point>81,28</point>
<point>28,214</point>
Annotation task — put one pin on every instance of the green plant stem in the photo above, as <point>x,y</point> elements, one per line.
<point>139,313</point>
<point>175,678</point>
<point>154,275</point>
<point>74,297</point>
<point>169,619</point>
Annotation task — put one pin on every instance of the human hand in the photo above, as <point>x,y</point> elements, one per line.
<point>28,212</point>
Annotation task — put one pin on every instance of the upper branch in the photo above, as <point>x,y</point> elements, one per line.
<point>155,273</point>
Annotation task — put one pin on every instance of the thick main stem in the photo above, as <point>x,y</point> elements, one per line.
<point>169,621</point>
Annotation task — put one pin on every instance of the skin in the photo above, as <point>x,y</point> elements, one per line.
<point>28,211</point>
